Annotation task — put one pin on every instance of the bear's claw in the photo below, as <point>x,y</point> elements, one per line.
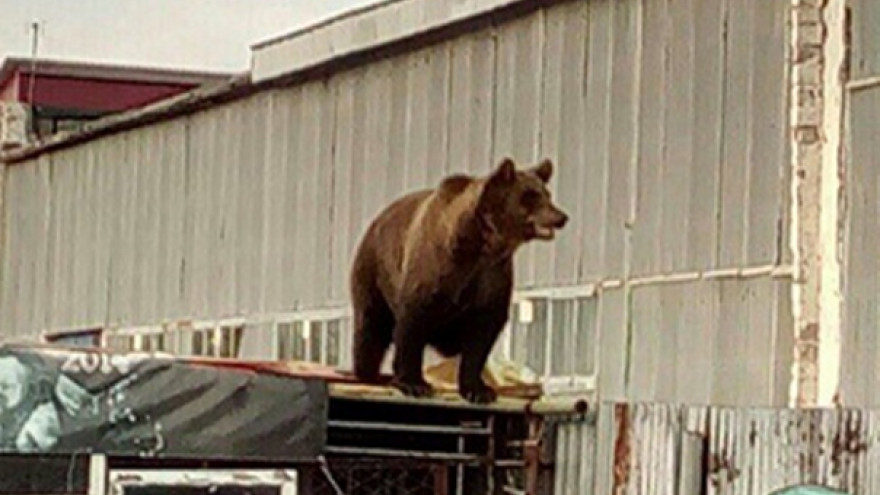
<point>417,389</point>
<point>479,395</point>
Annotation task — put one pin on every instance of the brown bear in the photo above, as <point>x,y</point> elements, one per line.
<point>435,268</point>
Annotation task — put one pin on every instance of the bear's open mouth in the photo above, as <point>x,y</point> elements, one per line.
<point>544,232</point>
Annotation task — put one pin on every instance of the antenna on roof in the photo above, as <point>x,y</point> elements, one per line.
<point>35,43</point>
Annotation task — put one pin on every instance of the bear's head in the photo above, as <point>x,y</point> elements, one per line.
<point>516,206</point>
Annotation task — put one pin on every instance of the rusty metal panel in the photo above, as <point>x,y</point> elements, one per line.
<point>759,451</point>
<point>638,449</point>
<point>860,342</point>
<point>648,448</point>
<point>865,18</point>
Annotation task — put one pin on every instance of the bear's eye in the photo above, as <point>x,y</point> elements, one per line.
<point>529,198</point>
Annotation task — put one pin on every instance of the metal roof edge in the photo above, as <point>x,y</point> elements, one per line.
<point>183,103</point>
<point>245,85</point>
<point>385,22</point>
<point>109,71</point>
<point>322,23</point>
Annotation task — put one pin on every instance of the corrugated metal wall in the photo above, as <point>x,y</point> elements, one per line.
<point>865,16</point>
<point>667,120</point>
<point>861,345</point>
<point>650,449</point>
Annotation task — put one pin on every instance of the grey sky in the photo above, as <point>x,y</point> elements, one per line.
<point>195,34</point>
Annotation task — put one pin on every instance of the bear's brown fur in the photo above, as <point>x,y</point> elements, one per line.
<point>436,268</point>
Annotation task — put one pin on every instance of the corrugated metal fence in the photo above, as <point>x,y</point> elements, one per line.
<point>666,449</point>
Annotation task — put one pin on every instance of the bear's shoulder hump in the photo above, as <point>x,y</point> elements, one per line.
<point>455,184</point>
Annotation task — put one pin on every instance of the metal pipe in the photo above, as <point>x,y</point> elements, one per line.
<point>406,454</point>
<point>864,83</point>
<point>451,430</point>
<point>545,406</point>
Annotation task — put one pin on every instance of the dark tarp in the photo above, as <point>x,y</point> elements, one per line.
<point>69,401</point>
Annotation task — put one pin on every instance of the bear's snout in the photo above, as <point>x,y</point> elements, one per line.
<point>545,224</point>
<point>560,220</point>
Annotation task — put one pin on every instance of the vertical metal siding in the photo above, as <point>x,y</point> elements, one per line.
<point>648,228</point>
<point>471,104</point>
<point>865,16</point>
<point>860,342</point>
<point>614,344</point>
<point>518,71</point>
<point>256,206</point>
<point>759,451</point>
<point>563,120</point>
<point>711,135</point>
<point>718,342</point>
<point>595,135</point>
<point>576,456</point>
<point>663,449</point>
<point>622,124</point>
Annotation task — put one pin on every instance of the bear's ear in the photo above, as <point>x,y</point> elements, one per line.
<point>544,170</point>
<point>504,173</point>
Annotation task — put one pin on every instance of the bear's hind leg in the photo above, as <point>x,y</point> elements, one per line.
<point>373,327</point>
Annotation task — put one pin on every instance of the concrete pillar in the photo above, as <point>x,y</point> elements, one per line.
<point>818,57</point>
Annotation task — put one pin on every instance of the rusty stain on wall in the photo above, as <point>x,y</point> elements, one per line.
<point>745,451</point>
<point>622,449</point>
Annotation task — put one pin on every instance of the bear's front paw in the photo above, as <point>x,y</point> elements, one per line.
<point>413,388</point>
<point>478,394</point>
